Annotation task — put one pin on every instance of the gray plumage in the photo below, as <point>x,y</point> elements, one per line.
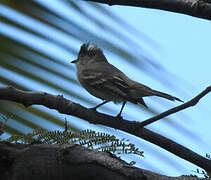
<point>103,80</point>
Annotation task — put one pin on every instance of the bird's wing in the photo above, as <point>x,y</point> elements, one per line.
<point>109,81</point>
<point>113,80</point>
<point>96,77</point>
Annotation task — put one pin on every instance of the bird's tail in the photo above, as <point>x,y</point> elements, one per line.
<point>138,91</point>
<point>164,95</point>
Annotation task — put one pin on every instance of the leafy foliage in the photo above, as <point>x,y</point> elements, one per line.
<point>87,138</point>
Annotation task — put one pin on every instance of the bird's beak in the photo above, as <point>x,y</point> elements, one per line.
<point>74,61</point>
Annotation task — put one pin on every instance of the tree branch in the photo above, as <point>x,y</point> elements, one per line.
<point>196,8</point>
<point>192,102</point>
<point>65,161</point>
<point>65,106</point>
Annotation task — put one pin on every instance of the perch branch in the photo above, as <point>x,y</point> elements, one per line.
<point>65,106</point>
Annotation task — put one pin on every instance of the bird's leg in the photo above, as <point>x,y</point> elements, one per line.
<point>94,108</point>
<point>119,115</point>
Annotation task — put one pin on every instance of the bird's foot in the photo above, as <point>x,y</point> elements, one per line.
<point>119,116</point>
<point>93,108</point>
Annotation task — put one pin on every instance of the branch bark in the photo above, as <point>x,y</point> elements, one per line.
<point>62,162</point>
<point>196,8</point>
<point>65,106</point>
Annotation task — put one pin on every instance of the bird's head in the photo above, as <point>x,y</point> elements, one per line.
<point>89,54</point>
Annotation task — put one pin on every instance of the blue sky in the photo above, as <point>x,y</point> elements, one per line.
<point>185,52</point>
<point>180,43</point>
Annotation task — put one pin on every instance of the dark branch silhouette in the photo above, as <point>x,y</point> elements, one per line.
<point>196,8</point>
<point>62,105</point>
<point>68,161</point>
<point>190,103</point>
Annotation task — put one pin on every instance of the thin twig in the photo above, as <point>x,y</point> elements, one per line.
<point>192,102</point>
<point>65,125</point>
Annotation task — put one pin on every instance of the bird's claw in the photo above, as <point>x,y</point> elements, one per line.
<point>93,109</point>
<point>119,117</point>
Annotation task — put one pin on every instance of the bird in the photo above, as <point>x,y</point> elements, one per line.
<point>105,81</point>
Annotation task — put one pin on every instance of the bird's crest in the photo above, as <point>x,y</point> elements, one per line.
<point>90,50</point>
